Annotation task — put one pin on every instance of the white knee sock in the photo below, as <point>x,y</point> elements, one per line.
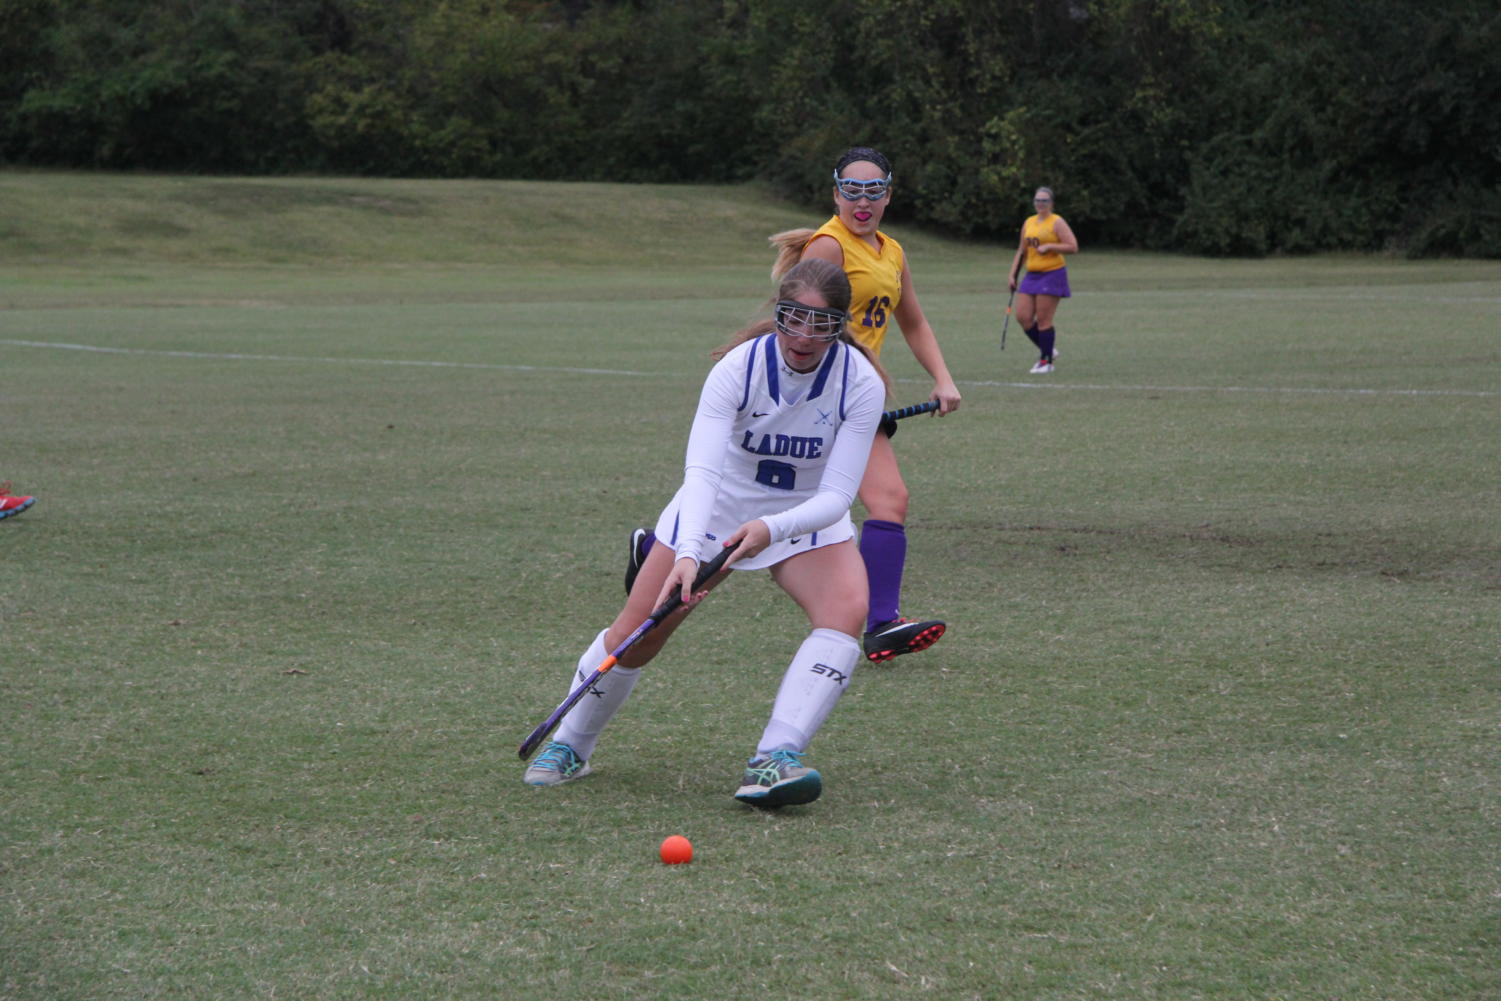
<point>584,723</point>
<point>814,681</point>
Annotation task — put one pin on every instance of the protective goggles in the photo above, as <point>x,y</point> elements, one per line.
<point>796,319</point>
<point>853,190</point>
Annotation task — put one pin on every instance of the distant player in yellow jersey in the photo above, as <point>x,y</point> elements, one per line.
<point>1045,239</point>
<point>881,280</point>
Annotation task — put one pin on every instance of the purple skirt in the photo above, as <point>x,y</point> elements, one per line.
<point>1053,282</point>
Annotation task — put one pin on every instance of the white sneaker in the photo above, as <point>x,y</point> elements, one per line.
<point>1043,367</point>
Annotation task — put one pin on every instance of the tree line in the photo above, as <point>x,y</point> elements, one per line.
<point>1227,127</point>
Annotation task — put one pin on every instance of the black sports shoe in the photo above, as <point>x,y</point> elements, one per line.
<point>636,558</point>
<point>899,636</point>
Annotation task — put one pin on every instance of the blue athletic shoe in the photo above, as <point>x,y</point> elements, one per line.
<point>558,763</point>
<point>779,779</point>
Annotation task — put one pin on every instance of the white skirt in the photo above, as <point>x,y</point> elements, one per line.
<point>725,519</point>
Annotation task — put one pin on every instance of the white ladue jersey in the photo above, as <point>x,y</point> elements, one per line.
<point>789,448</point>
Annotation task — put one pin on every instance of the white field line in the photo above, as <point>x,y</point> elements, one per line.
<point>568,370</point>
<point>1300,294</point>
<point>1309,390</point>
<point>213,356</point>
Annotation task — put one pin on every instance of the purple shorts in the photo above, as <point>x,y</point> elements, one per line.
<point>1053,282</point>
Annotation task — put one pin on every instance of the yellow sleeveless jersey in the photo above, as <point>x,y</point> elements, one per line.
<point>875,281</point>
<point>1037,232</point>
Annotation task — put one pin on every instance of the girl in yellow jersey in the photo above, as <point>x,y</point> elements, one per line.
<point>881,280</point>
<point>1045,239</point>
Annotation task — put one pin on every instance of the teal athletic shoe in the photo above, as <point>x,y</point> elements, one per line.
<point>558,763</point>
<point>779,779</point>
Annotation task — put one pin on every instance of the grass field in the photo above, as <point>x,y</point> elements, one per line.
<point>334,479</point>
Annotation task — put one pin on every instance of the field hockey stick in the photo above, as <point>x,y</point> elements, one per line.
<point>1008,319</point>
<point>890,417</point>
<point>1009,303</point>
<point>667,607</point>
<point>912,411</point>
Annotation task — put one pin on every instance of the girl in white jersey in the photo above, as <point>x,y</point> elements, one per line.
<point>775,457</point>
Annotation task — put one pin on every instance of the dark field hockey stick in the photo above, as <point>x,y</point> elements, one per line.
<point>890,417</point>
<point>667,607</point>
<point>1008,319</point>
<point>1009,302</point>
<point>912,411</point>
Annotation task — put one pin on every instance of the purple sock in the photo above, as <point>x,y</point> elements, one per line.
<point>883,546</point>
<point>1031,333</point>
<point>1045,340</point>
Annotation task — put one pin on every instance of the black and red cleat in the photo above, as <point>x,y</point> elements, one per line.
<point>899,636</point>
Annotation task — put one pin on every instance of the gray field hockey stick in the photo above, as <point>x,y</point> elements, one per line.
<point>667,607</point>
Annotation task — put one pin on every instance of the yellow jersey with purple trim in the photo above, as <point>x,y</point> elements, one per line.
<point>1036,232</point>
<point>875,281</point>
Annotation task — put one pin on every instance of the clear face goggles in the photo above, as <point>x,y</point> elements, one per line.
<point>852,189</point>
<point>796,319</point>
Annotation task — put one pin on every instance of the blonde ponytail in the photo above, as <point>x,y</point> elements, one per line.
<point>789,246</point>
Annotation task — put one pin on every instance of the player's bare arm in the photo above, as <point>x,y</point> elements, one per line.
<point>924,344</point>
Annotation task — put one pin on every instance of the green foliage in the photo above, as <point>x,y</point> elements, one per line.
<point>1357,137</point>
<point>159,85</point>
<point>23,56</point>
<point>473,88</point>
<point>1225,127</point>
